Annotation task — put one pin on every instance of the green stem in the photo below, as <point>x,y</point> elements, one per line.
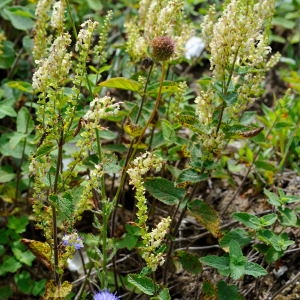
<point>55,191</point>
<point>225,91</point>
<point>105,217</point>
<point>71,18</point>
<point>144,94</point>
<point>130,155</point>
<point>100,156</point>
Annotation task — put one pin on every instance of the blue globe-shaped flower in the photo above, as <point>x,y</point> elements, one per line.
<point>105,295</point>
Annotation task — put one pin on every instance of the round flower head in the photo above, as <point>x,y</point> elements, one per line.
<point>105,295</point>
<point>163,47</point>
<point>73,240</point>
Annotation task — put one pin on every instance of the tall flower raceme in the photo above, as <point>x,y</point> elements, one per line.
<point>157,19</point>
<point>151,240</point>
<point>139,167</point>
<point>58,13</point>
<point>41,37</point>
<point>53,70</point>
<point>240,52</point>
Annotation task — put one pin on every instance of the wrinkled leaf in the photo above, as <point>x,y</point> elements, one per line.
<point>189,262</point>
<point>41,250</point>
<point>228,292</point>
<point>191,176</point>
<point>254,269</point>
<point>206,216</point>
<point>143,283</point>
<point>18,224</point>
<point>164,190</point>
<point>57,292</point>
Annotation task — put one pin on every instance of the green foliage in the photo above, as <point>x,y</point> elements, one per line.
<point>143,283</point>
<point>164,190</point>
<point>83,105</point>
<point>235,264</point>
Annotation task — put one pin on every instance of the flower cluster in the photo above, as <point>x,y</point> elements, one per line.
<point>41,39</point>
<point>105,295</point>
<point>240,54</point>
<point>2,39</point>
<point>73,240</point>
<point>237,38</point>
<point>57,18</point>
<point>204,108</point>
<point>139,167</point>
<point>153,241</point>
<point>82,47</point>
<point>99,49</point>
<point>99,109</point>
<point>156,19</point>
<point>53,70</point>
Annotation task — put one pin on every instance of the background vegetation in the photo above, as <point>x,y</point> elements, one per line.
<point>143,172</point>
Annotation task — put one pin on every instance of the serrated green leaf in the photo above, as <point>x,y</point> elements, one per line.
<point>143,283</point>
<point>191,122</point>
<point>236,260</point>
<point>288,217</point>
<point>168,131</point>
<point>248,220</point>
<point>24,282</point>
<point>254,269</point>
<point>18,224</point>
<point>221,263</point>
<point>191,176</point>
<point>278,242</point>
<point>189,262</point>
<point>273,199</point>
<point>268,219</point>
<point>239,235</point>
<point>164,190</point>
<point>284,199</point>
<point>64,205</point>
<point>22,254</point>
<point>235,249</point>
<point>44,149</point>
<point>164,294</point>
<point>228,292</point>
<point>206,216</point>
<point>9,265</point>
<point>39,287</point>
<point>122,83</point>
<point>127,241</point>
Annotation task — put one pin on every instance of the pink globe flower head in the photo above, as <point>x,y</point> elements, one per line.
<point>105,295</point>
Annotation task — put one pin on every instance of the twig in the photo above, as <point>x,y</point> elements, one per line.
<point>290,282</point>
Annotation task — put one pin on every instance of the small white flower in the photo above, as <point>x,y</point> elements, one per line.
<point>194,47</point>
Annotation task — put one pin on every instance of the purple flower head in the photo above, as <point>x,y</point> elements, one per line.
<point>73,240</point>
<point>105,295</point>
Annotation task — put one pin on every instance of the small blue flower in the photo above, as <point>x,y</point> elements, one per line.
<point>105,295</point>
<point>73,240</point>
